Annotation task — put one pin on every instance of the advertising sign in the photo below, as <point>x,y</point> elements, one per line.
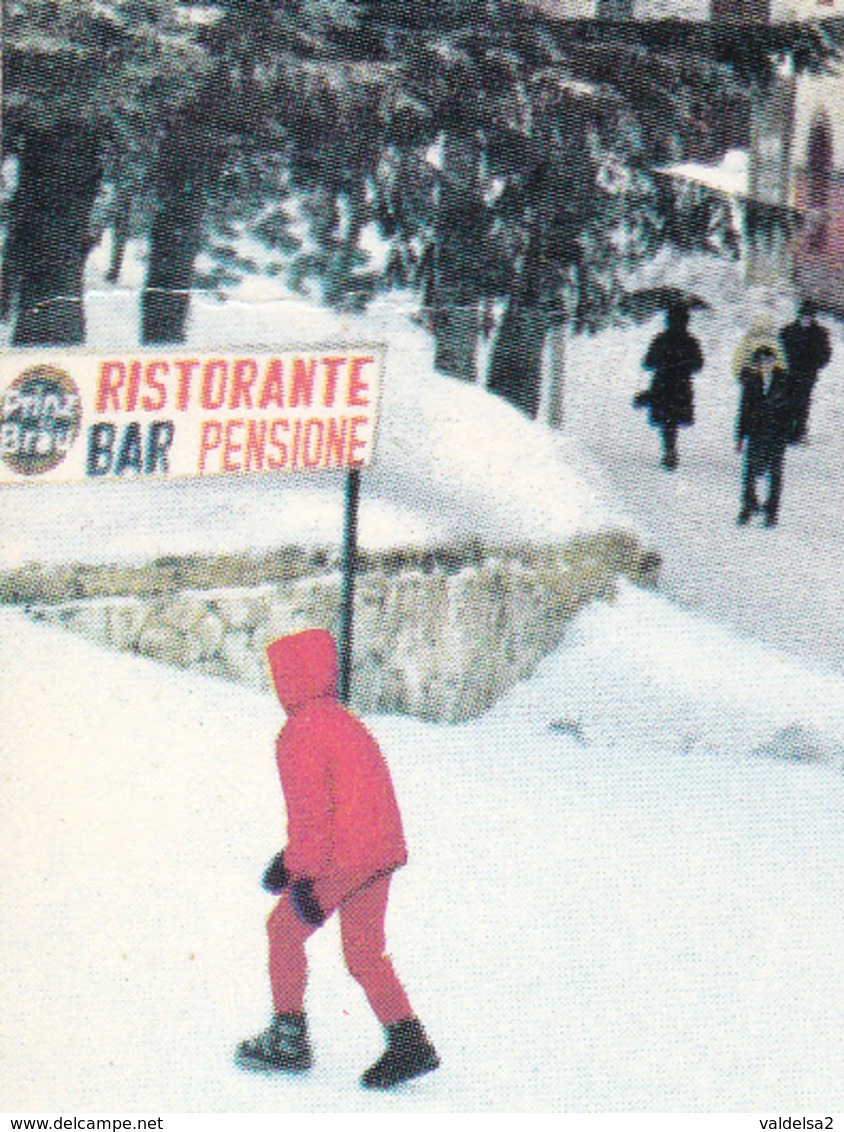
<point>173,413</point>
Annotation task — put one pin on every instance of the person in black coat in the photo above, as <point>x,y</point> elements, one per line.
<point>807,350</point>
<point>675,356</point>
<point>763,429</point>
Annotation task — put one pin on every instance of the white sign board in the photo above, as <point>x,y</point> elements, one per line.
<point>71,416</point>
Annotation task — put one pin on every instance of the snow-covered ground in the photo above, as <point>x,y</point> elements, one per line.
<point>641,915</point>
<point>625,885</point>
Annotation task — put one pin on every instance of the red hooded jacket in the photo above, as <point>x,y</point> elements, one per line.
<point>343,822</point>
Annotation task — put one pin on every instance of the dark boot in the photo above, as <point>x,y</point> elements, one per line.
<point>670,460</point>
<point>282,1047</point>
<point>772,507</point>
<point>749,508</point>
<point>408,1054</point>
<point>669,446</point>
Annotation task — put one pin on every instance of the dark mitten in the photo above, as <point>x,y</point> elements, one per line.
<point>275,878</point>
<point>305,904</point>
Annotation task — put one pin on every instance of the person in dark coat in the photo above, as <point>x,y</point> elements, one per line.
<point>807,351</point>
<point>762,430</point>
<point>675,356</point>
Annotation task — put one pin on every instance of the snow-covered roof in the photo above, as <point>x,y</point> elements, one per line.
<point>731,176</point>
<point>698,11</point>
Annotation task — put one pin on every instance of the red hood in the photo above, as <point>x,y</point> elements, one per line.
<point>304,667</point>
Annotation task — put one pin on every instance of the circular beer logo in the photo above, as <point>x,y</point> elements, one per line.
<point>40,417</point>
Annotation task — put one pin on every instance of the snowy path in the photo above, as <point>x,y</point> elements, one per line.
<point>784,586</point>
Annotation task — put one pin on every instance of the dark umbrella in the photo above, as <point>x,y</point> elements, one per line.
<point>643,304</point>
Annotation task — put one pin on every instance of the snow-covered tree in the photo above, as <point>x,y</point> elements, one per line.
<point>80,76</point>
<point>228,137</point>
<point>565,122</point>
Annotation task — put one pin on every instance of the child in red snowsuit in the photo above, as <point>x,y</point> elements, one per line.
<point>344,839</point>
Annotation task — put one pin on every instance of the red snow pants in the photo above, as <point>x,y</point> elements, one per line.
<point>364,949</point>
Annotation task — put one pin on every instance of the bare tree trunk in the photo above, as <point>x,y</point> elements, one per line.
<point>119,233</point>
<point>49,237</point>
<point>340,276</point>
<point>515,368</point>
<point>456,335</point>
<point>455,299</point>
<point>189,164</point>
<point>556,360</point>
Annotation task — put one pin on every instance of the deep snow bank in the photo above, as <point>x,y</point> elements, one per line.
<point>452,463</point>
<point>646,671</point>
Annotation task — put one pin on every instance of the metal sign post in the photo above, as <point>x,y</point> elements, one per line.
<point>347,600</point>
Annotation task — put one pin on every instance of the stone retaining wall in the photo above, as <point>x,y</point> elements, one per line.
<point>438,634</point>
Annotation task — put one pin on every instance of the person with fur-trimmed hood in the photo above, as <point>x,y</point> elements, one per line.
<point>763,428</point>
<point>762,333</point>
<point>675,357</point>
<point>344,841</point>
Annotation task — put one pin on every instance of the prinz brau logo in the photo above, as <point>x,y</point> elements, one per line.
<point>40,418</point>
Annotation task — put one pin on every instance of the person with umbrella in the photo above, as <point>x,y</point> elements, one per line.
<point>675,357</point>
